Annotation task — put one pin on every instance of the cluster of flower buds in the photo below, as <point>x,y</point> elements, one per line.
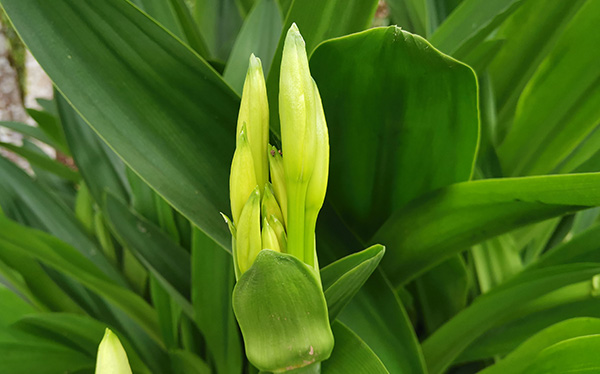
<point>280,212</point>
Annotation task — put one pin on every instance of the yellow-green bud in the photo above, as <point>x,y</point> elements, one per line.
<point>277,226</point>
<point>242,179</point>
<point>248,235</point>
<point>278,180</point>
<point>254,112</point>
<point>269,238</point>
<point>112,358</point>
<point>269,204</point>
<point>297,109</point>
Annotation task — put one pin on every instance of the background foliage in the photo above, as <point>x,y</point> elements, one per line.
<point>480,177</point>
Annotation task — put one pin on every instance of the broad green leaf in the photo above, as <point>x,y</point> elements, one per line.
<point>444,346</point>
<point>51,126</point>
<point>451,219</point>
<point>581,248</point>
<point>342,279</point>
<point>470,23</point>
<point>577,355</point>
<point>585,158</point>
<point>43,161</point>
<point>259,35</point>
<point>530,34</point>
<point>378,317</point>
<point>28,130</point>
<point>13,308</point>
<point>518,360</point>
<point>409,125</point>
<point>159,106</point>
<point>351,354</point>
<point>482,55</point>
<point>282,313</point>
<point>411,15</point>
<point>42,358</point>
<point>505,338</point>
<point>219,22</point>
<point>442,292</point>
<point>168,262</point>
<point>560,105</point>
<point>98,165</point>
<point>53,216</point>
<point>184,362</point>
<point>313,18</point>
<point>212,286</point>
<point>175,16</point>
<point>68,261</point>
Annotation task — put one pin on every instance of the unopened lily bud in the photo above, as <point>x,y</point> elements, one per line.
<point>297,109</point>
<point>242,179</point>
<point>317,186</point>
<point>112,358</point>
<point>269,238</point>
<point>248,234</point>
<point>254,112</point>
<point>277,226</point>
<point>269,204</point>
<point>278,180</point>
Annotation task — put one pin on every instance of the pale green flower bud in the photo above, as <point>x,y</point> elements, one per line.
<point>277,226</point>
<point>269,238</point>
<point>242,179</point>
<point>248,234</point>
<point>317,186</point>
<point>254,112</point>
<point>278,180</point>
<point>297,111</point>
<point>269,204</point>
<point>112,358</point>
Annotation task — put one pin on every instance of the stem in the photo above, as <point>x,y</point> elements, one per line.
<point>310,224</point>
<point>295,219</point>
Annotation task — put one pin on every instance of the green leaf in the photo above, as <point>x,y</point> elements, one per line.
<point>259,35</point>
<point>581,248</point>
<point>219,22</point>
<point>212,286</point>
<point>351,354</point>
<point>470,23</point>
<point>517,361</point>
<point>495,260</point>
<point>282,313</point>
<point>530,34</point>
<point>444,346</point>
<point>451,219</point>
<point>68,261</point>
<point>411,15</point>
<point>342,279</point>
<point>53,216</point>
<point>51,126</point>
<point>168,262</point>
<point>184,362</point>
<point>42,358</point>
<point>313,18</point>
<point>549,126</point>
<point>378,317</point>
<point>577,355</point>
<point>99,166</point>
<point>43,161</point>
<point>28,130</point>
<point>13,308</point>
<point>159,106</point>
<point>409,125</point>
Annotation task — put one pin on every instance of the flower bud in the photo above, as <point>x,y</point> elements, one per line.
<point>269,238</point>
<point>112,358</point>
<point>242,179</point>
<point>277,226</point>
<point>317,186</point>
<point>248,236</point>
<point>297,109</point>
<point>278,180</point>
<point>254,112</point>
<point>269,204</point>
